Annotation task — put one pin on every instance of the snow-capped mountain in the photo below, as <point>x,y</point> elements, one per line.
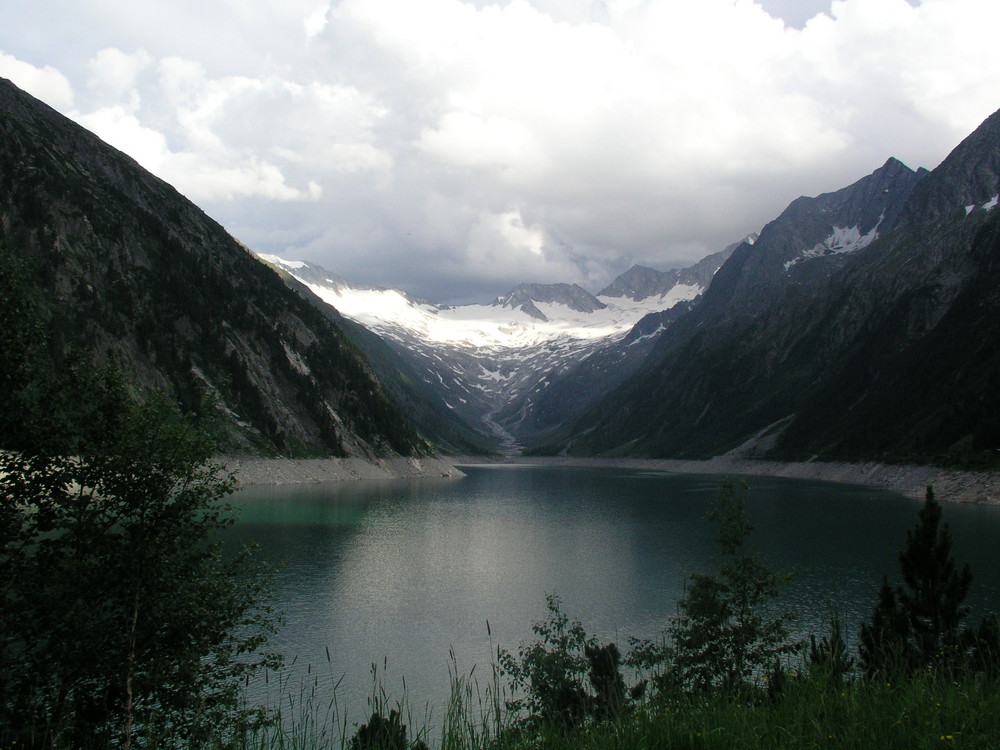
<point>862,323</point>
<point>488,362</point>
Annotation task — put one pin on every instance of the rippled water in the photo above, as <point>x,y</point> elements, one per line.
<point>401,573</point>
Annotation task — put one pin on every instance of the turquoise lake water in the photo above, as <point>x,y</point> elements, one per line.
<point>403,574</point>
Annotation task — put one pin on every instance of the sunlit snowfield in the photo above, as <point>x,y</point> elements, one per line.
<point>400,573</point>
<point>485,326</point>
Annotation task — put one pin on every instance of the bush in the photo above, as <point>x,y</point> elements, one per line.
<point>567,677</point>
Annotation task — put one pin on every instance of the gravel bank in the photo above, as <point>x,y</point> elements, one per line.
<point>253,470</point>
<point>954,486</point>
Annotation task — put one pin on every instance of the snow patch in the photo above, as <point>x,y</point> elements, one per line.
<point>842,240</point>
<point>492,374</point>
<point>479,327</point>
<point>274,260</point>
<point>654,334</point>
<point>987,206</point>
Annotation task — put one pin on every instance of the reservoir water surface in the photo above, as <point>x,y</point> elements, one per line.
<point>403,574</point>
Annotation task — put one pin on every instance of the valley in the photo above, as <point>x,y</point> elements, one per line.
<point>491,364</point>
<point>851,328</point>
<point>857,325</point>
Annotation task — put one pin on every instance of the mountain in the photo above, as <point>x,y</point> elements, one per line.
<point>641,283</point>
<point>123,268</point>
<point>862,324</point>
<point>423,404</point>
<point>481,369</point>
<point>570,296</point>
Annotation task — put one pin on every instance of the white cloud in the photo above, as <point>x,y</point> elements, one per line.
<point>45,83</point>
<point>444,144</point>
<point>200,176</point>
<point>317,20</point>
<point>113,76</point>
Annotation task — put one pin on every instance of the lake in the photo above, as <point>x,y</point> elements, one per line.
<point>404,573</point>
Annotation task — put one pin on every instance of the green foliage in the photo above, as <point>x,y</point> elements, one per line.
<point>384,733</point>
<point>121,619</point>
<point>725,635</point>
<point>920,624</point>
<point>830,657</point>
<point>934,588</point>
<point>565,677</point>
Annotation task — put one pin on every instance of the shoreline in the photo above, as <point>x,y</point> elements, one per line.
<point>949,485</point>
<point>254,470</point>
<point>982,487</point>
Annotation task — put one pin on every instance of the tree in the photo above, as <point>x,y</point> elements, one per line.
<point>935,590</point>
<point>885,643</point>
<point>726,635</point>
<point>381,733</point>
<point>920,624</point>
<point>122,620</point>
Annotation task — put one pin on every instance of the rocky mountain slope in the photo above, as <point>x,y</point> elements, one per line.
<point>123,268</point>
<point>863,323</point>
<point>482,370</point>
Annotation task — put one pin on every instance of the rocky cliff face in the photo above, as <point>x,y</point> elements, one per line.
<point>127,270</point>
<point>862,323</point>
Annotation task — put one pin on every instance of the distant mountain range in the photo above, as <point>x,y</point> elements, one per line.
<point>859,324</point>
<point>484,368</point>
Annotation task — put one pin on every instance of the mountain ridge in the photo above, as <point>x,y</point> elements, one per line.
<point>829,348</point>
<point>488,364</point>
<point>128,271</point>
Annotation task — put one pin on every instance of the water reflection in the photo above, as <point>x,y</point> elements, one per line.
<point>404,571</point>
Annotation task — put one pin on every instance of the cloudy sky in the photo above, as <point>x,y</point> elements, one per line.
<point>456,148</point>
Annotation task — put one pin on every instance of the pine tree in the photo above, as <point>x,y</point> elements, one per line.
<point>885,643</point>
<point>935,588</point>
<point>920,624</point>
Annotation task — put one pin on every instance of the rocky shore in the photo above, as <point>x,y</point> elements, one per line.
<point>949,485</point>
<point>254,470</point>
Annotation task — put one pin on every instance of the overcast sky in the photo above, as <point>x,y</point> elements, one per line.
<point>455,149</point>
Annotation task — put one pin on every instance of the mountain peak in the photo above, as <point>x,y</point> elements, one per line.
<point>968,177</point>
<point>640,282</point>
<point>573,296</point>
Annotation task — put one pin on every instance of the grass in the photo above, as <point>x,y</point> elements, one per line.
<point>927,710</point>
